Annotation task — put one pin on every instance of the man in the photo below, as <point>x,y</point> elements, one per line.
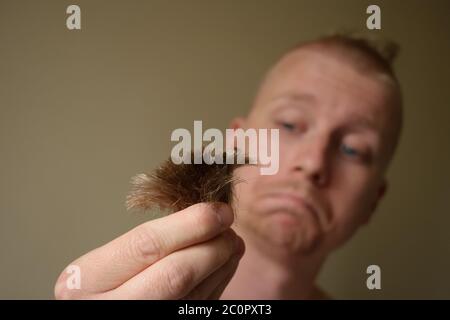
<point>337,104</point>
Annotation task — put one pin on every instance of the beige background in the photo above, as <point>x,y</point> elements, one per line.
<point>83,111</point>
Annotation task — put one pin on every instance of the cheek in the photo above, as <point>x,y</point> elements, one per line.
<point>288,157</point>
<point>351,198</point>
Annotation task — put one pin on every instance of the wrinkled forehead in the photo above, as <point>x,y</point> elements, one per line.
<point>325,75</point>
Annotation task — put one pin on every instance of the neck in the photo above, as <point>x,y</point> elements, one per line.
<point>273,273</point>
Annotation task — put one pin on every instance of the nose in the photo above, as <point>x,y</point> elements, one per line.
<point>311,160</point>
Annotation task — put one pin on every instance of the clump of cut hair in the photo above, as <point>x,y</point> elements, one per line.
<point>174,187</point>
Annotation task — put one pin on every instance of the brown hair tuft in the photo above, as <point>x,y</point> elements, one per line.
<point>178,186</point>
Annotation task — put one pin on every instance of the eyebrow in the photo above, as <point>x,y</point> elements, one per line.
<point>358,121</point>
<point>361,122</point>
<point>296,97</point>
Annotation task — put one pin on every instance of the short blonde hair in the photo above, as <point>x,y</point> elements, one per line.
<point>368,54</point>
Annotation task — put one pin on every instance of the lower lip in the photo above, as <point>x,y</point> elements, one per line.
<point>288,200</point>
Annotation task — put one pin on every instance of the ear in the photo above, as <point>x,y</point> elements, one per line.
<point>382,189</point>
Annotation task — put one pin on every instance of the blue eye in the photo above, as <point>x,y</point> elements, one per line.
<point>349,151</point>
<point>288,126</point>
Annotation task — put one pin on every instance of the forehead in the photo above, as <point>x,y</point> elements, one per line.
<point>330,85</point>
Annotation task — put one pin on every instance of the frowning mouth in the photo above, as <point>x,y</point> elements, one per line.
<point>292,199</point>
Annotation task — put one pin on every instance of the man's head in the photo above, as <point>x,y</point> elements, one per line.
<point>337,105</point>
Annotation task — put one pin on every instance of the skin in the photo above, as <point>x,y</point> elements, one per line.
<point>160,260</point>
<point>337,130</point>
<point>330,180</point>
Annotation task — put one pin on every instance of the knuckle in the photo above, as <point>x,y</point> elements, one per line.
<point>146,245</point>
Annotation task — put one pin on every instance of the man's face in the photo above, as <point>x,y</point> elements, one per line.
<point>335,130</point>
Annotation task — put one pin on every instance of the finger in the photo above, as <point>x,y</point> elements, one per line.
<point>174,276</point>
<point>109,266</point>
<point>212,287</point>
<point>209,285</point>
<point>218,291</point>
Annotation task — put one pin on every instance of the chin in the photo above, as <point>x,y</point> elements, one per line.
<point>288,232</point>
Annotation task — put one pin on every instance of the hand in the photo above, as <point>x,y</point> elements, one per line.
<point>190,254</point>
